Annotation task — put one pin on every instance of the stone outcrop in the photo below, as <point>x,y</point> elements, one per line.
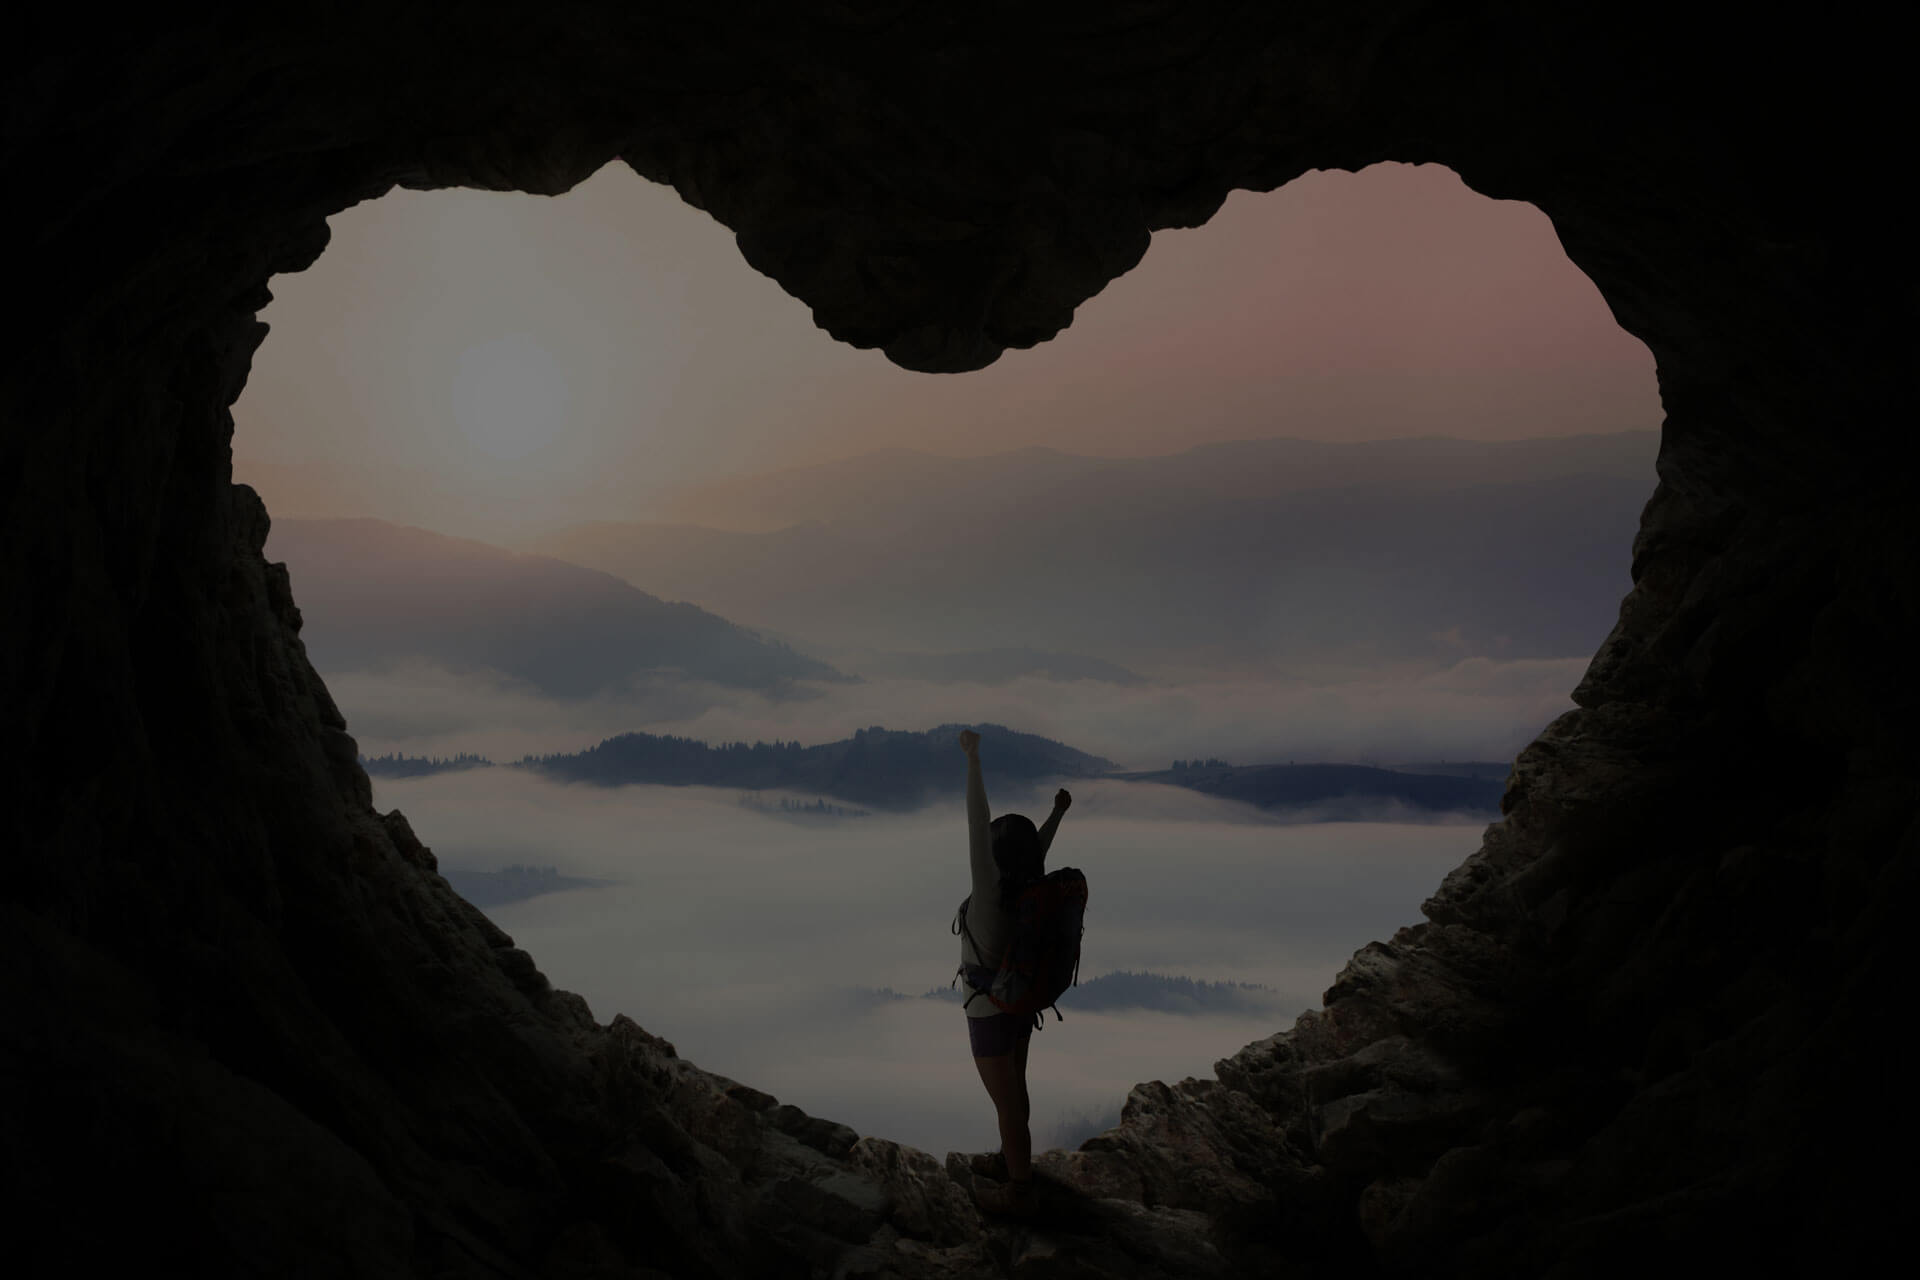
<point>1660,1013</point>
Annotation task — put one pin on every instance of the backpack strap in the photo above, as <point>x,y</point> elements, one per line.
<point>982,977</point>
<point>960,929</point>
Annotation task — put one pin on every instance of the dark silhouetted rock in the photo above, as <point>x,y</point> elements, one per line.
<point>252,1031</point>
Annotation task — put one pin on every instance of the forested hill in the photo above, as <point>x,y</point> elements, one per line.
<point>898,771</point>
<point>877,767</point>
<point>1336,792</point>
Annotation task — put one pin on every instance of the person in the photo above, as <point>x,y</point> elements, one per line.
<point>1003,855</point>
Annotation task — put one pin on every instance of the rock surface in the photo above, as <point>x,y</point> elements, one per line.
<point>252,1031</point>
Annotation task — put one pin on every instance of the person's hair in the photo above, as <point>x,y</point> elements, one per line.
<point>1017,853</point>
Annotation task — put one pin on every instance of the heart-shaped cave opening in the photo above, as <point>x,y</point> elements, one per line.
<point>657,611</point>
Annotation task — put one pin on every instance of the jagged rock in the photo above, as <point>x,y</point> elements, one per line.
<point>925,1204</point>
<point>822,1135</point>
<point>248,1014</point>
<point>839,1204</point>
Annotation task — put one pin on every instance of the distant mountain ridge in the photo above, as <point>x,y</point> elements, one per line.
<point>1227,555</point>
<point>990,666</point>
<point>373,593</point>
<point>398,764</point>
<point>1146,990</point>
<point>878,767</point>
<point>513,884</point>
<point>910,479</point>
<point>903,770</point>
<point>1336,792</point>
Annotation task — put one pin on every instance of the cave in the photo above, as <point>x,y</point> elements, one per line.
<point>1654,1019</point>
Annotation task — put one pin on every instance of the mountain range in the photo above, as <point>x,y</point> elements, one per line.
<point>899,771</point>
<point>911,481</point>
<point>1157,992</point>
<point>1334,792</point>
<point>373,594</point>
<point>1283,551</point>
<point>884,768</point>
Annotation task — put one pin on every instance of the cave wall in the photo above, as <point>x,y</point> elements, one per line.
<point>253,1030</point>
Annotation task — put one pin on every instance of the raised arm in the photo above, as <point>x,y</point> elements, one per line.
<point>979,818</point>
<point>1061,800</point>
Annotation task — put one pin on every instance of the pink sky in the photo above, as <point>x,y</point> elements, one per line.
<point>495,365</point>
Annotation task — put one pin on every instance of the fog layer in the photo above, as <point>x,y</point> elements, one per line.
<point>744,939</point>
<point>1475,709</point>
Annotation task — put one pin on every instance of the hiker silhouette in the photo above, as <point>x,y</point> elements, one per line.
<point>1005,856</point>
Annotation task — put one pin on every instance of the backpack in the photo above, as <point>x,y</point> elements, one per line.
<point>1042,958</point>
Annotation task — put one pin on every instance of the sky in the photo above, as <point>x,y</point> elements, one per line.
<point>499,365</point>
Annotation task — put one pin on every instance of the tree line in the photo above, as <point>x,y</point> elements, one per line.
<point>398,764</point>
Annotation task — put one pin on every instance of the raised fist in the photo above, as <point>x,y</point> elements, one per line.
<point>1062,798</point>
<point>969,741</point>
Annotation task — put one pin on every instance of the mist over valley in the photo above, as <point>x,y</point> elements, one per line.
<point>756,945</point>
<point>1283,695</point>
<point>902,771</point>
<point>1433,613</point>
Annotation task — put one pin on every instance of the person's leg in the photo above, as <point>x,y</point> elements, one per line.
<point>994,1043</point>
<point>1008,1089</point>
<point>1022,1039</point>
<point>1000,1056</point>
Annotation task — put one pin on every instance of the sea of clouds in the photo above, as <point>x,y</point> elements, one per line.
<point>1475,709</point>
<point>753,942</point>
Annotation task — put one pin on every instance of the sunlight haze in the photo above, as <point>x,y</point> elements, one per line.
<point>500,365</point>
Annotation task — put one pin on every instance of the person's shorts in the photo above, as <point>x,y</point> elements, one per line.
<point>997,1036</point>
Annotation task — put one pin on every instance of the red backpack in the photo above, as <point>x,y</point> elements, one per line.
<point>1042,958</point>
